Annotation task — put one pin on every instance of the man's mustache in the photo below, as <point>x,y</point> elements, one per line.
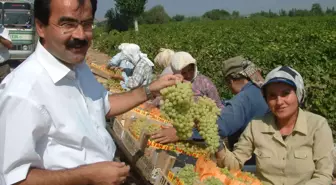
<point>76,43</point>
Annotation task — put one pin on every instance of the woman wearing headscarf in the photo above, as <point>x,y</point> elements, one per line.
<point>163,59</point>
<point>292,146</point>
<point>183,63</point>
<point>121,61</point>
<point>141,73</point>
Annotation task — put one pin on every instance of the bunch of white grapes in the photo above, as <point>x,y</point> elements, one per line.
<point>191,148</point>
<point>212,181</point>
<point>142,125</point>
<point>176,106</point>
<point>188,175</point>
<point>137,126</point>
<point>205,112</point>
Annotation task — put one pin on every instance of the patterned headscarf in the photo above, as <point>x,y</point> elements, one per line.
<point>239,66</point>
<point>289,76</point>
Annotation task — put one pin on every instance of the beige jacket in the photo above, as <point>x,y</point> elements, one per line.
<point>304,157</point>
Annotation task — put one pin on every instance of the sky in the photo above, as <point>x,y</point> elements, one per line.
<point>198,7</point>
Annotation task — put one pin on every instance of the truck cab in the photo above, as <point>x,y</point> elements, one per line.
<point>17,17</point>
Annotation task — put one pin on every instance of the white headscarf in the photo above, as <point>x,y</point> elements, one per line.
<point>181,60</point>
<point>163,58</point>
<point>133,53</point>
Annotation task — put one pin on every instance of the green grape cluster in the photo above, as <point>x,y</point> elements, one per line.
<point>151,128</point>
<point>188,175</point>
<point>191,148</point>
<point>176,106</point>
<point>205,113</point>
<point>141,124</point>
<point>226,172</point>
<point>137,126</point>
<point>212,181</point>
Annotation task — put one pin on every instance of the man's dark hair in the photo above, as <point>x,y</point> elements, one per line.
<point>42,9</point>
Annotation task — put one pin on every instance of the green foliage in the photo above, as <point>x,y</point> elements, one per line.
<point>316,9</point>
<point>178,17</point>
<point>306,44</point>
<point>156,15</point>
<point>115,21</point>
<point>235,14</point>
<point>216,14</point>
<point>130,8</point>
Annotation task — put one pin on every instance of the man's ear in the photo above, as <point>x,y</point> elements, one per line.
<point>40,28</point>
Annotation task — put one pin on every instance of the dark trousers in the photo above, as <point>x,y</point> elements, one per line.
<point>4,70</point>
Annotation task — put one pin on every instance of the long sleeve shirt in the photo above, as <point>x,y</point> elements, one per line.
<point>142,75</point>
<point>303,157</point>
<point>203,86</point>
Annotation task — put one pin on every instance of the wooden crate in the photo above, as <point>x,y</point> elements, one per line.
<point>162,180</point>
<point>146,167</point>
<point>118,128</point>
<point>130,142</point>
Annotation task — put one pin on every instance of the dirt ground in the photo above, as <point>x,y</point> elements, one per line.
<point>97,57</point>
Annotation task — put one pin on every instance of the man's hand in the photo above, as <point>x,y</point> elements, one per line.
<point>106,173</point>
<point>149,106</point>
<point>165,135</point>
<point>163,82</point>
<point>8,44</point>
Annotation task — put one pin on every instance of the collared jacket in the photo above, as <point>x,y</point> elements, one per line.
<point>303,157</point>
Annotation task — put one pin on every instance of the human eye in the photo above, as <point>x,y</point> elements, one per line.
<point>87,25</point>
<point>286,92</point>
<point>271,96</point>
<point>68,24</point>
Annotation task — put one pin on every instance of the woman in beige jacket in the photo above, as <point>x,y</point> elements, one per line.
<point>292,146</point>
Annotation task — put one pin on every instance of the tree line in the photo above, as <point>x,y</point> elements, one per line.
<point>129,13</point>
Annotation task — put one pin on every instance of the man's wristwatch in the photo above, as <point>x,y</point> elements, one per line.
<point>148,92</point>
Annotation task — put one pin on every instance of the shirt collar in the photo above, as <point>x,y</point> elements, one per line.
<point>54,67</point>
<point>300,125</point>
<point>247,86</point>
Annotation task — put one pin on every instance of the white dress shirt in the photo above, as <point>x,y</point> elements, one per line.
<point>51,118</point>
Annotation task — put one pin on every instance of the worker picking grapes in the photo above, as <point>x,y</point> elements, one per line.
<point>292,146</point>
<point>183,63</point>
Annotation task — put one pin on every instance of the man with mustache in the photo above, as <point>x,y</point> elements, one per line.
<point>52,109</point>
